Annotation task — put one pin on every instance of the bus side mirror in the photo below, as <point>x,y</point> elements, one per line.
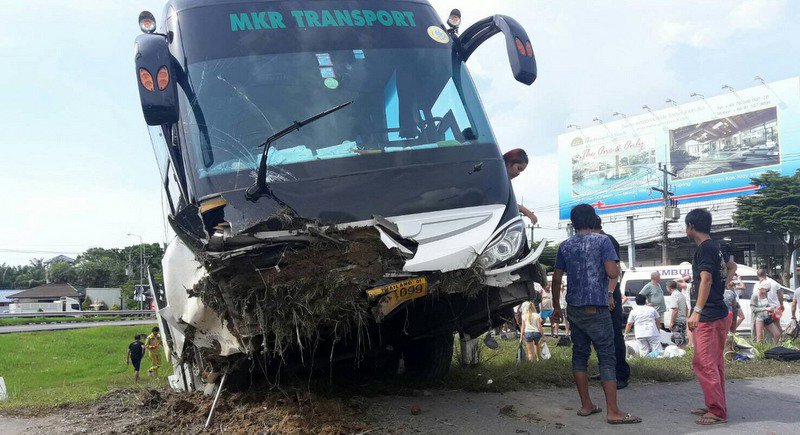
<point>518,45</point>
<point>156,79</point>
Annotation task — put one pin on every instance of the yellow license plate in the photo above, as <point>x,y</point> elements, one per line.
<point>393,295</point>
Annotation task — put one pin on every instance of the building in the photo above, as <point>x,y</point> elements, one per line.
<point>46,293</point>
<point>4,299</point>
<point>104,297</point>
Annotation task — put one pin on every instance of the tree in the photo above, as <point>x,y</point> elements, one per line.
<point>61,272</point>
<point>774,209</point>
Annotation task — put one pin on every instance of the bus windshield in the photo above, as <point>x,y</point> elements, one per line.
<point>412,99</point>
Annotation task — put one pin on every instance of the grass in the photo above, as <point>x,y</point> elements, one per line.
<point>501,367</point>
<point>9,321</point>
<point>46,369</point>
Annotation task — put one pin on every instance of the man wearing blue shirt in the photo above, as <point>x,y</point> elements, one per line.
<point>590,261</point>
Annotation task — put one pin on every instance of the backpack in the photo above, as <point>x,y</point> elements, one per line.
<point>781,353</point>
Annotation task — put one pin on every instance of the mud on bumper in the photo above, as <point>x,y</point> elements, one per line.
<point>443,313</point>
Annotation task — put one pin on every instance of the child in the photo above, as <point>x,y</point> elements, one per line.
<point>135,354</point>
<point>644,318</point>
<point>153,344</point>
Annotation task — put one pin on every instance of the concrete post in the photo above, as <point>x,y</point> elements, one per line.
<point>631,244</point>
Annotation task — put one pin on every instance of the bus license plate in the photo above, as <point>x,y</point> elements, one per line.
<point>395,294</point>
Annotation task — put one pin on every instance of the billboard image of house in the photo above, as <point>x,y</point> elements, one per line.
<point>729,144</point>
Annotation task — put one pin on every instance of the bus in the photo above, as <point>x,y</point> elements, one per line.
<point>333,181</point>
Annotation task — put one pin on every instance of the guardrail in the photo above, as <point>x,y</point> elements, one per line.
<point>81,313</point>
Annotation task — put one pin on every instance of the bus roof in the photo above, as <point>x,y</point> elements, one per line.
<point>181,5</point>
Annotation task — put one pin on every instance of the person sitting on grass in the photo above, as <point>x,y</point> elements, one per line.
<point>643,318</point>
<point>135,354</point>
<point>531,331</point>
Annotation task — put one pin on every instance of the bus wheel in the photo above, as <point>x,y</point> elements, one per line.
<point>429,358</point>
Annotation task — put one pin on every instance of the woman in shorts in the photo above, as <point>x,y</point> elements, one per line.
<point>531,331</point>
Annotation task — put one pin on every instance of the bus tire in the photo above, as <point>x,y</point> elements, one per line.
<point>429,358</point>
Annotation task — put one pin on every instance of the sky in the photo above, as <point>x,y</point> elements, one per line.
<point>78,169</point>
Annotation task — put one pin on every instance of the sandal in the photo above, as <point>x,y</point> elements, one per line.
<point>593,411</point>
<point>628,419</point>
<point>709,419</point>
<point>699,411</point>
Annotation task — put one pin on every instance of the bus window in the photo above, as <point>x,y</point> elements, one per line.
<point>634,286</point>
<point>747,293</point>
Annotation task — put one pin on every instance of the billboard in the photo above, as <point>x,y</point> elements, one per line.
<point>713,145</point>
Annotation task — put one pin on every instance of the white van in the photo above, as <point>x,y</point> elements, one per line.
<point>633,281</point>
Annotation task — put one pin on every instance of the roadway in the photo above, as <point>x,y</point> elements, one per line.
<point>73,325</point>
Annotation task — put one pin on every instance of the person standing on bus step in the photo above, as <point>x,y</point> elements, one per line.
<point>516,161</point>
<point>623,369</point>
<point>709,321</point>
<point>590,261</point>
<point>775,296</point>
<point>153,345</point>
<point>680,310</point>
<point>655,296</point>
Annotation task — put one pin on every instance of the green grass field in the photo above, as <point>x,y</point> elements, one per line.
<point>501,367</point>
<point>44,369</point>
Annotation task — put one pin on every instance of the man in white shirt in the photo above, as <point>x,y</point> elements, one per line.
<point>775,293</point>
<point>643,318</point>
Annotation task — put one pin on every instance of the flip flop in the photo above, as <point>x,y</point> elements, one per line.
<point>628,419</point>
<point>699,411</point>
<point>593,411</point>
<point>709,419</point>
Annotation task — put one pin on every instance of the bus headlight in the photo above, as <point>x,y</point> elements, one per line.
<point>504,247</point>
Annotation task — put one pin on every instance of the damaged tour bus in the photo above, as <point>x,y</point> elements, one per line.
<point>334,184</point>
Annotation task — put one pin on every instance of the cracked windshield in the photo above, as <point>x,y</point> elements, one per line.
<point>404,100</point>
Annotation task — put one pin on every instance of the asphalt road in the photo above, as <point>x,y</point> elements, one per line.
<point>74,325</point>
<point>757,406</point>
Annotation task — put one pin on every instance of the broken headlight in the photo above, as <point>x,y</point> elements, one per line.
<point>504,247</point>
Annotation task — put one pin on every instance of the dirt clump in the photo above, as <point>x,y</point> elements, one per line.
<point>136,411</point>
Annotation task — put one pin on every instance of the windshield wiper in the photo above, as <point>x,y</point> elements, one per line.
<point>260,187</point>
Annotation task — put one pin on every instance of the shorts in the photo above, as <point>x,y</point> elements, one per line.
<point>532,337</point>
<point>136,362</point>
<point>546,314</point>
<point>679,333</point>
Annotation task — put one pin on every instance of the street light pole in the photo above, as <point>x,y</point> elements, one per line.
<point>141,262</point>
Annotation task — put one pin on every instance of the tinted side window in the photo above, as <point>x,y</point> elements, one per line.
<point>634,286</point>
<point>747,293</point>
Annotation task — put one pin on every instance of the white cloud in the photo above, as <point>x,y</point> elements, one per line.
<point>711,24</point>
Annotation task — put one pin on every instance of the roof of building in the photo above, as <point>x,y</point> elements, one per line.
<point>60,258</point>
<point>4,294</point>
<point>47,291</point>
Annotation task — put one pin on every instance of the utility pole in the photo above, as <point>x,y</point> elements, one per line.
<point>141,262</point>
<point>631,244</point>
<point>667,198</point>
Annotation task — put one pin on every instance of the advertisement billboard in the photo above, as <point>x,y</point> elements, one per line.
<point>713,145</point>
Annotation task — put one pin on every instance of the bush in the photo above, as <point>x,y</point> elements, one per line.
<point>87,304</point>
<point>115,308</point>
